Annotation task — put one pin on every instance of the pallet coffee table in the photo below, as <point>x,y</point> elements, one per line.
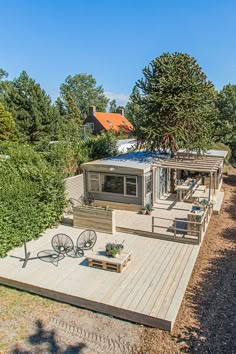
<point>117,264</point>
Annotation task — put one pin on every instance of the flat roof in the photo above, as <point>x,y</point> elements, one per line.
<point>143,160</point>
<point>135,159</point>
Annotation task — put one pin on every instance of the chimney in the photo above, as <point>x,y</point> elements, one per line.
<point>92,111</point>
<point>121,111</point>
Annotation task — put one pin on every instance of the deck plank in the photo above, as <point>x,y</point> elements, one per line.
<point>180,290</point>
<point>152,293</point>
<point>134,268</point>
<point>149,282</point>
<point>138,281</point>
<point>168,283</point>
<point>163,307</point>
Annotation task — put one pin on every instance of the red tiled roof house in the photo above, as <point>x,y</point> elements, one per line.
<point>98,121</point>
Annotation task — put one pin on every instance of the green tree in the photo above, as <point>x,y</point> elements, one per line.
<point>3,84</point>
<point>176,104</point>
<point>112,106</point>
<point>78,93</point>
<point>101,146</point>
<point>225,125</point>
<point>132,108</point>
<point>7,125</point>
<point>31,107</point>
<point>3,74</point>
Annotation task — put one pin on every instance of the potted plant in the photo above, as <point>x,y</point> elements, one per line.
<point>149,209</point>
<point>143,210</point>
<point>113,249</point>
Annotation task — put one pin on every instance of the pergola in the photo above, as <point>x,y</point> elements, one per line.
<point>202,164</point>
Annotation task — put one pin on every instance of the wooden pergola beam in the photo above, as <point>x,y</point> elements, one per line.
<point>189,168</point>
<point>195,164</point>
<point>209,165</point>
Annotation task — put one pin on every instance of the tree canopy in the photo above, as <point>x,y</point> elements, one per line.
<point>225,124</point>
<point>132,108</point>
<point>7,125</point>
<point>30,106</point>
<point>3,74</point>
<point>176,104</point>
<point>112,106</point>
<point>78,93</point>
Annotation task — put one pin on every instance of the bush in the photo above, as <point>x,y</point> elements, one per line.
<point>102,146</point>
<point>31,196</point>
<point>64,156</point>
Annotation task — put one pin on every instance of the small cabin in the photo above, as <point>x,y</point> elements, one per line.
<point>124,181</point>
<point>131,181</point>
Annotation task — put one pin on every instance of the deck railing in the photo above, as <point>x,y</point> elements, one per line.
<point>171,231</point>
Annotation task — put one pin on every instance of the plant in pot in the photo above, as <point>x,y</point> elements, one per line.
<point>143,210</point>
<point>149,209</point>
<point>113,249</point>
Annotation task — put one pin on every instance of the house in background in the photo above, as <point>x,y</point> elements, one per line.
<point>99,121</point>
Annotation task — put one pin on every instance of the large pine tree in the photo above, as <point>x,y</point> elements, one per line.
<point>176,104</point>
<point>31,108</point>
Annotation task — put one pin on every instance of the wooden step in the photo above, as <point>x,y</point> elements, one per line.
<point>218,203</point>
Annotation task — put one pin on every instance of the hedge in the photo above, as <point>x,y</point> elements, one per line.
<point>32,196</point>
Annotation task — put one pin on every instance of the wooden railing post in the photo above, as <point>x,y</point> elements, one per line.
<point>153,224</point>
<point>174,228</point>
<point>200,234</point>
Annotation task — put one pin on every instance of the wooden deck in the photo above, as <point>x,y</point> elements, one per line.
<point>149,291</point>
<point>134,222</point>
<point>165,212</point>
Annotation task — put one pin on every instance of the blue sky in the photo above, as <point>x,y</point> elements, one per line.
<point>114,40</point>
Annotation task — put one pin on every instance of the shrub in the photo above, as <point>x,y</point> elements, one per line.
<point>31,196</point>
<point>102,146</point>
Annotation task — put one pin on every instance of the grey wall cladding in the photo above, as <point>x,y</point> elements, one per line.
<point>74,186</point>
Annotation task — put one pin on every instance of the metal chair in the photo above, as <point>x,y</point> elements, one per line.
<point>86,240</point>
<point>72,203</point>
<point>87,198</point>
<point>63,244</point>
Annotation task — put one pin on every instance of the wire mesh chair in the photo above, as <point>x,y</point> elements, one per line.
<point>87,198</point>
<point>63,244</point>
<point>86,240</point>
<point>72,203</point>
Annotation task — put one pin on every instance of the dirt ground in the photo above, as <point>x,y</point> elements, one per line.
<point>206,322</point>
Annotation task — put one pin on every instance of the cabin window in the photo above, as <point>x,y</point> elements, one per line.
<point>94,179</point>
<point>131,186</point>
<point>124,185</point>
<point>148,183</point>
<point>113,184</point>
